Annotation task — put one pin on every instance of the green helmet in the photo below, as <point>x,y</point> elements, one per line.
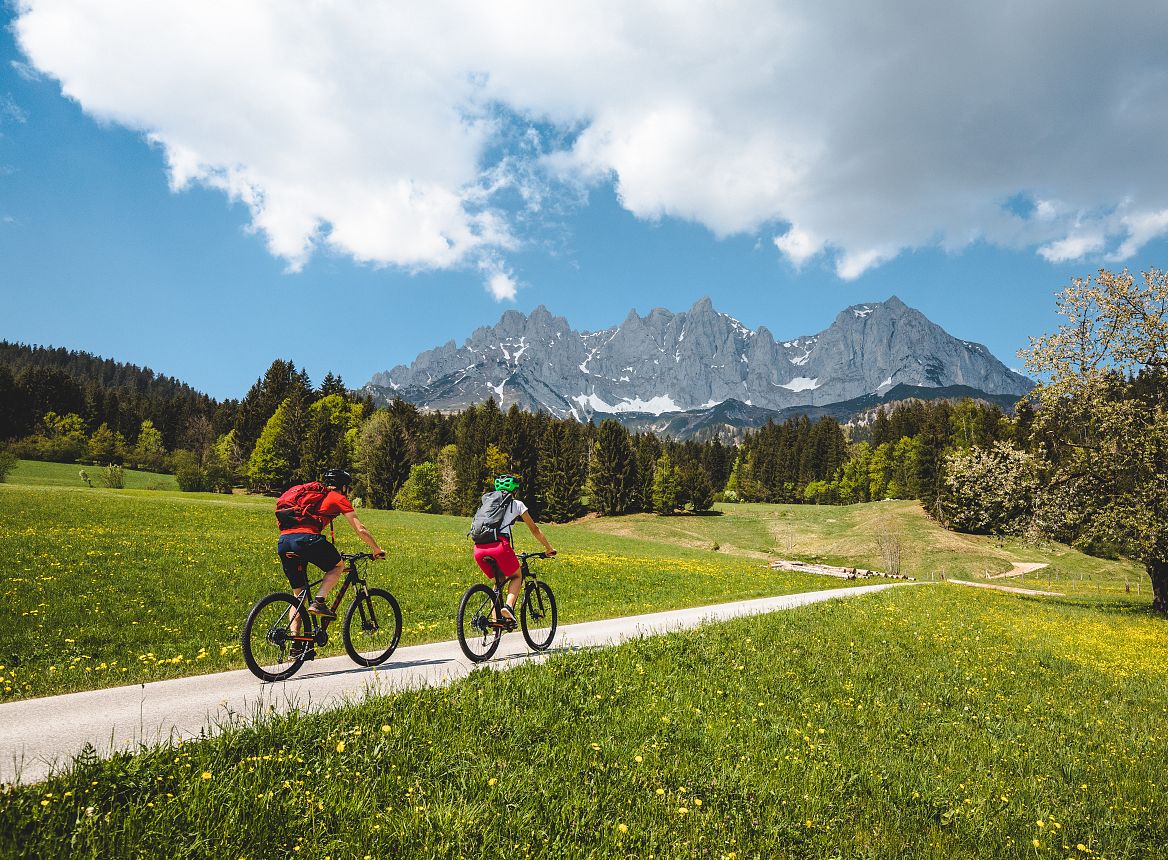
<point>507,483</point>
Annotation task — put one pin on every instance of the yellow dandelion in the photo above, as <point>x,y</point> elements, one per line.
<point>595,746</point>
<point>492,781</point>
<point>1040,823</point>
<point>697,801</point>
<point>206,774</point>
<point>638,759</point>
<point>809,822</point>
<point>1082,847</point>
<point>340,746</point>
<point>623,828</point>
<point>1035,843</point>
<point>385,728</point>
<point>660,792</point>
<point>681,810</point>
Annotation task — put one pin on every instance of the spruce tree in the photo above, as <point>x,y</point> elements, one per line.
<point>562,477</point>
<point>383,465</point>
<point>613,470</point>
<point>665,485</point>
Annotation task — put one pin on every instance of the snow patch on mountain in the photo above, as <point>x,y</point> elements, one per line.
<point>801,383</point>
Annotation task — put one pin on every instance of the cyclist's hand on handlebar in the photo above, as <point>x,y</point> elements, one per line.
<point>379,554</point>
<point>551,553</point>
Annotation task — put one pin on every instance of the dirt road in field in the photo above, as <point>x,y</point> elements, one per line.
<point>38,734</point>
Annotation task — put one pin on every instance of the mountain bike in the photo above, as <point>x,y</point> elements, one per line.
<point>273,648</point>
<point>481,626</point>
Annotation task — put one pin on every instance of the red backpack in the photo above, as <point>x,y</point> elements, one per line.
<point>299,506</point>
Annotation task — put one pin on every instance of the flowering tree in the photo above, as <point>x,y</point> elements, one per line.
<point>989,490</point>
<point>1101,431</point>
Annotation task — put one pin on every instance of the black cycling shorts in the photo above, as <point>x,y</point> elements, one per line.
<point>297,551</point>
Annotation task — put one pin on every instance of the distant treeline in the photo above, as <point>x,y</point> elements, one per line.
<point>72,406</point>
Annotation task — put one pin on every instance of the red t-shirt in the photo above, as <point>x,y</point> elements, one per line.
<point>334,505</point>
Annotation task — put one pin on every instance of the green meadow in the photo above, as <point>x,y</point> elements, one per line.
<point>929,721</point>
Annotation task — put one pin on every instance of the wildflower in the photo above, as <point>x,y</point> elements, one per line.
<point>595,746</point>
<point>681,810</point>
<point>206,774</point>
<point>340,746</point>
<point>385,728</point>
<point>638,759</point>
<point>623,828</point>
<point>1035,843</point>
<point>660,792</point>
<point>492,781</point>
<point>697,801</point>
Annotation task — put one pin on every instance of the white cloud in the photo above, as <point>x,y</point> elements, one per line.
<point>499,282</point>
<point>1074,247</point>
<point>798,246</point>
<point>1141,229</point>
<point>375,129</point>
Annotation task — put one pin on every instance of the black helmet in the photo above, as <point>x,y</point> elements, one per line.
<point>337,478</point>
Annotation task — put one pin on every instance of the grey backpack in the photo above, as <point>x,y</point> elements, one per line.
<point>488,519</point>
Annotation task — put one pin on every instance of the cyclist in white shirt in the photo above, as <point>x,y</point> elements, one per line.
<point>502,552</point>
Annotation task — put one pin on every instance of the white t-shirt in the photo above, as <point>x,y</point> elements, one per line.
<point>514,511</point>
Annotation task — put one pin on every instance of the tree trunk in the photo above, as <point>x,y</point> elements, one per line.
<point>1158,572</point>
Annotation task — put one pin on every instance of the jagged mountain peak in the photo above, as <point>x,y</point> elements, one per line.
<point>672,361</point>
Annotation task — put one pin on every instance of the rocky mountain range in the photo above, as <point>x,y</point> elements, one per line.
<point>650,370</point>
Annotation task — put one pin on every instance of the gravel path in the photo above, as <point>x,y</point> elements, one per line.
<point>38,734</point>
<point>1008,588</point>
<point>1019,568</point>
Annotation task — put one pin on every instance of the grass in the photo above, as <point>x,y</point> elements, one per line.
<point>39,474</point>
<point>925,722</point>
<point>847,536</point>
<point>108,587</point>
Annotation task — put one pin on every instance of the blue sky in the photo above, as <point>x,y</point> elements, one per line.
<point>199,220</point>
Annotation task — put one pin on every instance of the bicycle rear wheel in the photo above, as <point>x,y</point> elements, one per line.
<point>373,625</point>
<point>537,615</point>
<point>476,635</point>
<point>267,642</point>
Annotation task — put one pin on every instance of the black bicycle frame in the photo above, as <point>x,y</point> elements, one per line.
<point>352,577</point>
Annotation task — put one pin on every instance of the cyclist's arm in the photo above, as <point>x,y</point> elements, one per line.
<point>364,534</point>
<point>538,534</point>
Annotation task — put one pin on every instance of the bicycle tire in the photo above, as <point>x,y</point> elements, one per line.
<point>537,615</point>
<point>373,612</point>
<point>264,637</point>
<point>477,639</point>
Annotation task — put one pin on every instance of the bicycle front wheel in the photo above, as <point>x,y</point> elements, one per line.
<point>537,615</point>
<point>373,625</point>
<point>477,635</point>
<point>267,637</point>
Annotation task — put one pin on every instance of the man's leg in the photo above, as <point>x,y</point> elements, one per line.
<point>295,625</point>
<point>330,579</point>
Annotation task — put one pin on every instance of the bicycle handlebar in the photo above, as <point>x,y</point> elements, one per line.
<point>523,556</point>
<point>357,556</point>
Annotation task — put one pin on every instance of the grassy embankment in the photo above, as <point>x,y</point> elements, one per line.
<point>848,536</point>
<point>925,722</point>
<point>106,587</point>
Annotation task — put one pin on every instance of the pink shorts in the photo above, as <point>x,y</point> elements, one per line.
<point>503,555</point>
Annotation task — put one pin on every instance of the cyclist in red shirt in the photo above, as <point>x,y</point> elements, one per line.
<point>302,545</point>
